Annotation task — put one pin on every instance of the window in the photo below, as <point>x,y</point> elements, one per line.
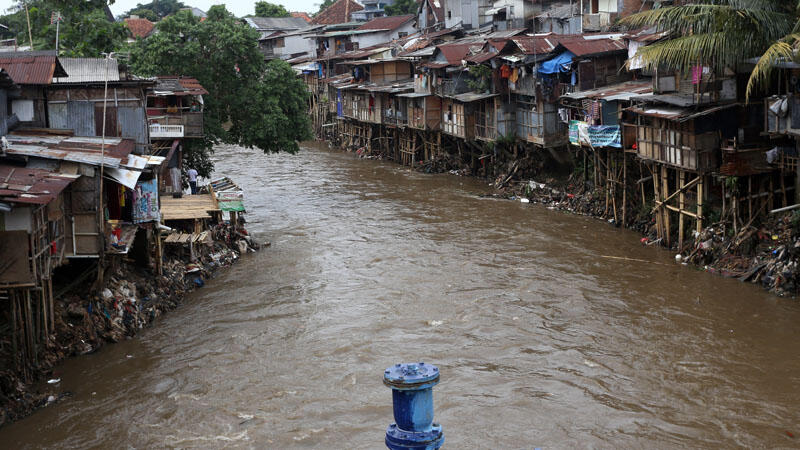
<point>449,14</point>
<point>279,43</point>
<point>402,34</point>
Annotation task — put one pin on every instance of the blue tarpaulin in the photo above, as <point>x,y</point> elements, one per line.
<point>560,63</point>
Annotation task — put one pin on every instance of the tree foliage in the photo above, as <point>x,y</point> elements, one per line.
<point>156,10</point>
<point>84,31</point>
<point>722,34</point>
<point>251,103</point>
<point>144,13</point>
<point>401,7</point>
<point>266,9</point>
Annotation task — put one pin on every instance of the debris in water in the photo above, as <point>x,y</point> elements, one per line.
<point>54,380</point>
<point>434,323</point>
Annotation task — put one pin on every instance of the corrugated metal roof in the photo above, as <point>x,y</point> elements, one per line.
<point>30,186</point>
<point>621,91</point>
<point>386,23</point>
<point>480,57</point>
<point>414,94</point>
<point>85,150</point>
<point>32,67</point>
<point>455,53</point>
<point>646,35</point>
<point>471,97</point>
<point>88,70</point>
<point>580,46</point>
<point>675,113</point>
<point>276,23</point>
<point>536,45</point>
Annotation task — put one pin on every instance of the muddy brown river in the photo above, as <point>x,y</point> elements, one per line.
<point>542,339</point>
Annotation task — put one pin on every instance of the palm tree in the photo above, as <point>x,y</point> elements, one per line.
<point>723,34</point>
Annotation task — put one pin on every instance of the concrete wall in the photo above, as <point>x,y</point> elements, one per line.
<point>370,39</point>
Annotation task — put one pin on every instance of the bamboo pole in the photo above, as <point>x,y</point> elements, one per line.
<point>624,186</point>
<point>681,199</point>
<point>700,206</point>
<point>664,191</point>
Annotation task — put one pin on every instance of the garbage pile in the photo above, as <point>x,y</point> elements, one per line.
<point>441,163</point>
<point>767,254</point>
<point>131,298</point>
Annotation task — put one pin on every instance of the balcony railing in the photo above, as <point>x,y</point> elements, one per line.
<point>158,130</point>
<point>190,120</point>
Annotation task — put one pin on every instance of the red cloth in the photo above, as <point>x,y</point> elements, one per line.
<point>505,71</point>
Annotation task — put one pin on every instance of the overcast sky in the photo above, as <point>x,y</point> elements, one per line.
<point>239,8</point>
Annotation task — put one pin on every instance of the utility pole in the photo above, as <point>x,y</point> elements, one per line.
<point>100,267</point>
<point>28,16</point>
<point>56,18</point>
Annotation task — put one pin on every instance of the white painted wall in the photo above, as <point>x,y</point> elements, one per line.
<point>369,39</point>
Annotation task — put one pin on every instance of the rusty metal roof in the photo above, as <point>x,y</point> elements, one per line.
<point>86,150</point>
<point>580,46</point>
<point>536,45</point>
<point>35,68</point>
<point>30,186</point>
<point>455,53</point>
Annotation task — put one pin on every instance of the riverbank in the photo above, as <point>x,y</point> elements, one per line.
<point>131,298</point>
<point>764,251</point>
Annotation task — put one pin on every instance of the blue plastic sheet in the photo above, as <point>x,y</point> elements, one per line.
<point>561,63</point>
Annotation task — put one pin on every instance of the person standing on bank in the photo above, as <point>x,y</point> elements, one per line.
<point>192,180</point>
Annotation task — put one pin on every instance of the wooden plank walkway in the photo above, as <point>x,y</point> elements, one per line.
<point>188,207</point>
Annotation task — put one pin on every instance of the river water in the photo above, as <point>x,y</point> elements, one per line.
<point>541,338</point>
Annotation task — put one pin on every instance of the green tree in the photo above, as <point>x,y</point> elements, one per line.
<point>159,8</point>
<point>144,13</point>
<point>722,33</point>
<point>251,103</point>
<point>401,7</point>
<point>84,31</point>
<point>266,9</point>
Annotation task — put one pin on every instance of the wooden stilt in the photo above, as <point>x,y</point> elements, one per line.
<point>681,199</point>
<point>656,200</point>
<point>749,198</point>
<point>52,304</point>
<point>665,193</point>
<point>700,193</point>
<point>624,186</point>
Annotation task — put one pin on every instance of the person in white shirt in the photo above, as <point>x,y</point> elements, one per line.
<point>192,180</point>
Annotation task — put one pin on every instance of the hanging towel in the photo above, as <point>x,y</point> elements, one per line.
<point>514,75</point>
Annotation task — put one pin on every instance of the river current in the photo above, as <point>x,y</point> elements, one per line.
<point>545,335</point>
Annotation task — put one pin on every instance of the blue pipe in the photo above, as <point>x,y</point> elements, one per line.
<point>412,400</point>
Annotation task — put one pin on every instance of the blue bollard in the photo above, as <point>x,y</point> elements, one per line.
<point>412,399</point>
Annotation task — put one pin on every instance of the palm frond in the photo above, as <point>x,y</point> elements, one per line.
<point>718,50</point>
<point>784,49</point>
<point>733,16</point>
